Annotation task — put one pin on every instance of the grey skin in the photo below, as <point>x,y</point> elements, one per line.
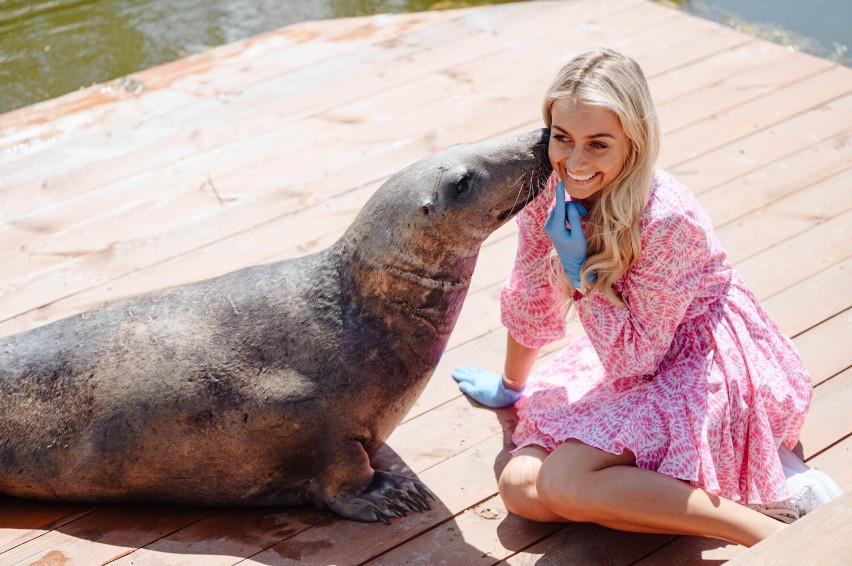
<point>274,384</point>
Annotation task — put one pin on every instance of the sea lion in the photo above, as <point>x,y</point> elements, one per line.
<point>274,384</point>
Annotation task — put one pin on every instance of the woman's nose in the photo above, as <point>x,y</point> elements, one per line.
<point>575,159</point>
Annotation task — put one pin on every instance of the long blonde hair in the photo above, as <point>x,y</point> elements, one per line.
<point>607,79</point>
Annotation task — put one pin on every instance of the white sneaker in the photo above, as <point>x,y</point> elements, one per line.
<point>809,489</point>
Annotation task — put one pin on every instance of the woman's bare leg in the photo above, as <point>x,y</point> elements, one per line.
<point>518,485</point>
<point>581,483</point>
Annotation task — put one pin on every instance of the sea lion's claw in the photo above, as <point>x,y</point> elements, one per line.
<point>417,496</point>
<point>424,505</point>
<point>387,495</point>
<point>425,491</point>
<point>398,510</point>
<point>412,504</point>
<point>383,517</point>
<point>359,507</point>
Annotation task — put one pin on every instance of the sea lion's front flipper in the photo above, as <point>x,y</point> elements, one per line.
<point>387,495</point>
<point>354,490</point>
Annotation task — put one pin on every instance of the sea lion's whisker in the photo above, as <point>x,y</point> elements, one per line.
<point>520,182</point>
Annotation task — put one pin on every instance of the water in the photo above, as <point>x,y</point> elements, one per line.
<point>819,27</point>
<point>51,47</point>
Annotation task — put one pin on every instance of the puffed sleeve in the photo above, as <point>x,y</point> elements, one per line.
<point>531,301</point>
<point>657,291</point>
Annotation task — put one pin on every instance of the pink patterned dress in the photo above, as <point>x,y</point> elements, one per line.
<point>691,375</point>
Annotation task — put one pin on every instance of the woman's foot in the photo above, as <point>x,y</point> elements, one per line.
<point>809,489</point>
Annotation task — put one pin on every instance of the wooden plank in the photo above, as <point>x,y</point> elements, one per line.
<point>830,525</point>
<point>692,550</point>
<point>787,217</point>
<point>777,179</point>
<point>742,156</point>
<point>806,86</point>
<point>828,422</point>
<point>793,260</point>
<point>225,537</point>
<point>825,348</point>
<point>480,535</point>
<point>586,543</point>
<point>22,520</point>
<point>103,535</point>
<point>769,70</point>
<point>704,71</point>
<point>835,462</point>
<point>320,226</point>
<point>825,294</point>
<point>704,38</point>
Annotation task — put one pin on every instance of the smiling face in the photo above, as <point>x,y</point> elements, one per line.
<point>588,147</point>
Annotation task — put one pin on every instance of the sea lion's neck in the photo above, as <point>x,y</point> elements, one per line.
<point>399,282</point>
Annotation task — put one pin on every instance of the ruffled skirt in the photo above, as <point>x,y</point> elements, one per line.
<point>730,390</point>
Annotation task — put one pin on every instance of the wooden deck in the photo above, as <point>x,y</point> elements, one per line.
<point>266,148</point>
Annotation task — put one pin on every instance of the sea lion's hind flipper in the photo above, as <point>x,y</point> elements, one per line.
<point>387,495</point>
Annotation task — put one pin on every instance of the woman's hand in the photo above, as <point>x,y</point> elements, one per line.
<point>570,243</point>
<point>485,387</point>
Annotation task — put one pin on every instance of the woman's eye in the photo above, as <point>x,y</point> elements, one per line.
<point>598,145</point>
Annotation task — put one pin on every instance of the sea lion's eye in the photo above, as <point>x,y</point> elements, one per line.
<point>464,184</point>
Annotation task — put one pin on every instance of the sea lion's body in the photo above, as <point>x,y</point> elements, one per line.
<point>273,384</point>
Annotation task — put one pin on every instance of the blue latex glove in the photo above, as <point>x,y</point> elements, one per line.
<point>570,244</point>
<point>485,387</point>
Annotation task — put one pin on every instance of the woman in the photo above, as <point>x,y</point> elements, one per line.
<point>674,412</point>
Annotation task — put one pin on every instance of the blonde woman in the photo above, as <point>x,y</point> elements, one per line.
<point>676,411</point>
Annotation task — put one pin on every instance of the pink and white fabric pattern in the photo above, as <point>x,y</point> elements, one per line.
<point>691,375</point>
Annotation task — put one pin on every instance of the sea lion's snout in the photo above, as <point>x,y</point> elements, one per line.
<point>530,145</point>
<point>540,147</point>
<point>536,143</point>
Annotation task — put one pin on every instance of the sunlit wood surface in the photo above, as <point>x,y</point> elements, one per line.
<point>265,149</point>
